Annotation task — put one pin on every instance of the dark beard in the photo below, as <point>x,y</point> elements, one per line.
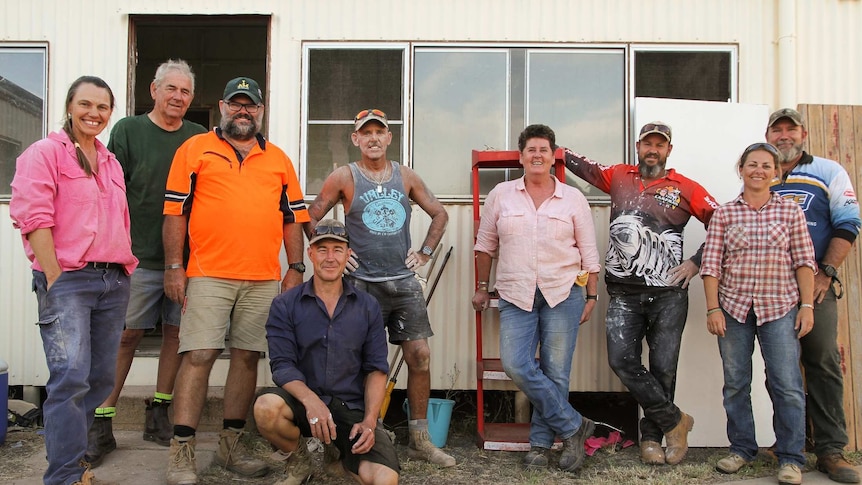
<point>237,132</point>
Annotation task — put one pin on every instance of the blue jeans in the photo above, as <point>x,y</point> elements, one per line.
<point>780,349</point>
<point>81,320</point>
<point>660,317</point>
<point>546,382</point>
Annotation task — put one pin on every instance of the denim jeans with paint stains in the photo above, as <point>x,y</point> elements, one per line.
<point>659,316</point>
<point>554,331</point>
<point>81,319</point>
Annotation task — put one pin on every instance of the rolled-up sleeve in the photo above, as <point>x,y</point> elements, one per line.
<point>34,189</point>
<point>487,239</point>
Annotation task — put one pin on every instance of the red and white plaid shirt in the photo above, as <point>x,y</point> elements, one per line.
<point>754,254</point>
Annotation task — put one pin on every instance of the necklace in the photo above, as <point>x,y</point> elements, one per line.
<point>379,181</point>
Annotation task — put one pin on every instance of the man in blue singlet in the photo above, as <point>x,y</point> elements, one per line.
<point>376,194</point>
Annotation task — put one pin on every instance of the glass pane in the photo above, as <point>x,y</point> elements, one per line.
<point>22,106</point>
<point>581,96</point>
<point>459,104</point>
<point>329,147</point>
<point>343,82</point>
<point>702,76</point>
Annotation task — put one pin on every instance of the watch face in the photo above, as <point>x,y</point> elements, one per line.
<point>829,270</point>
<point>427,251</point>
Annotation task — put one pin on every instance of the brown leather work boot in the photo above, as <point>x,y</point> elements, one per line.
<point>233,455</point>
<point>182,466</point>
<point>421,448</point>
<point>836,467</point>
<point>157,425</point>
<point>652,453</point>
<point>677,440</point>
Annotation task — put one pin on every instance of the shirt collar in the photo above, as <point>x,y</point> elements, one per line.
<point>558,189</point>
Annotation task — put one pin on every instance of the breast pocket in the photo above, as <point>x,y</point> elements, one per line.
<point>560,226</point>
<point>79,188</point>
<point>512,223</point>
<point>778,236</point>
<point>736,238</point>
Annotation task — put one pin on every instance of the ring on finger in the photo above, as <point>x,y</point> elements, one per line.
<point>313,421</point>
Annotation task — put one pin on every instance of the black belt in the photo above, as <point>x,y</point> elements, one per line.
<point>99,265</point>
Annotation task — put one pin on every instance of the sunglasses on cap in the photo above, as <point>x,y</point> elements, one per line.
<point>329,230</point>
<point>366,112</point>
<point>768,147</point>
<point>656,127</point>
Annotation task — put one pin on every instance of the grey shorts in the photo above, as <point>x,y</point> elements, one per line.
<point>402,303</point>
<point>148,301</point>
<point>383,451</point>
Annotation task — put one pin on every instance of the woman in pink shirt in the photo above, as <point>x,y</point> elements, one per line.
<point>69,201</point>
<point>541,232</point>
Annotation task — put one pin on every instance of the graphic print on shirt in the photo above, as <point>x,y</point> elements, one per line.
<point>384,214</point>
<point>636,250</point>
<point>668,196</point>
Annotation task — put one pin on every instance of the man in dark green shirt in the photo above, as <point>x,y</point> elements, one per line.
<point>145,146</point>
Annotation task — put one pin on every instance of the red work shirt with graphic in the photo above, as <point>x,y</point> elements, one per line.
<point>647,222</point>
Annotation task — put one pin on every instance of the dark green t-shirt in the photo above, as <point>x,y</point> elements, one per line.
<point>145,151</point>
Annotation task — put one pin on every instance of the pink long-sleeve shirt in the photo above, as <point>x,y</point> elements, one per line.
<point>545,247</point>
<point>88,216</point>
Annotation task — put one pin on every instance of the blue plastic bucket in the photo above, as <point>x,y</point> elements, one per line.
<point>4,399</point>
<point>439,415</point>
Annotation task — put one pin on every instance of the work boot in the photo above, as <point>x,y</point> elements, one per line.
<point>731,463</point>
<point>421,448</point>
<point>677,440</point>
<point>789,474</point>
<point>652,453</point>
<point>87,477</point>
<point>100,441</point>
<point>837,468</point>
<point>157,426</point>
<point>182,467</point>
<point>537,457</point>
<point>233,455</point>
<point>573,447</point>
<point>298,469</point>
<point>332,461</point>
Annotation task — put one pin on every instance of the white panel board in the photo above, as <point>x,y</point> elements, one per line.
<point>707,140</point>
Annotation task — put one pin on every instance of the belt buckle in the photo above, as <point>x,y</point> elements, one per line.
<point>97,265</point>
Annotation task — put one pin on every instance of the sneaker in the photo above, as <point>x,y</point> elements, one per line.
<point>182,467</point>
<point>421,448</point>
<point>573,447</point>
<point>789,474</point>
<point>652,453</point>
<point>157,426</point>
<point>100,441</point>
<point>233,455</point>
<point>298,469</point>
<point>837,468</point>
<point>731,463</point>
<point>537,457</point>
<point>677,440</point>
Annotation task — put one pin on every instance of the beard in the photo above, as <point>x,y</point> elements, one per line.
<point>651,171</point>
<point>790,154</point>
<point>231,129</point>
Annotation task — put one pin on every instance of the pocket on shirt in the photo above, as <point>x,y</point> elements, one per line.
<point>778,236</point>
<point>81,189</point>
<point>512,223</point>
<point>561,227</point>
<point>736,238</point>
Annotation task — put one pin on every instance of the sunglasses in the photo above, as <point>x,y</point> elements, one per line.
<point>328,230</point>
<point>768,147</point>
<point>236,107</point>
<point>366,112</point>
<point>655,127</point>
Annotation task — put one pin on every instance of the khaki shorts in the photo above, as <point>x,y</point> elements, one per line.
<point>217,308</point>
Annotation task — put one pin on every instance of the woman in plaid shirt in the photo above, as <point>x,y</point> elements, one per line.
<point>758,265</point>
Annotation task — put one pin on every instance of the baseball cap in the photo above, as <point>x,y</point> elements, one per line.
<point>659,127</point>
<point>788,113</point>
<point>243,85</point>
<point>367,115</point>
<point>329,229</point>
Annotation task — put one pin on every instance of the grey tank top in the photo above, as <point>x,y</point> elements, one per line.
<point>379,226</point>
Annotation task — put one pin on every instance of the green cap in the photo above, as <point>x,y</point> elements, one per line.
<point>243,85</point>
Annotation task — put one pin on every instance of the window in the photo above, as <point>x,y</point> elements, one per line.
<point>23,85</point>
<point>699,73</point>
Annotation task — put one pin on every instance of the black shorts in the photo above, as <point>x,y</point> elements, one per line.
<point>403,306</point>
<point>383,451</point>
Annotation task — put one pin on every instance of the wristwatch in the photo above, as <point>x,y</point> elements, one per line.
<point>829,270</point>
<point>298,267</point>
<point>427,251</point>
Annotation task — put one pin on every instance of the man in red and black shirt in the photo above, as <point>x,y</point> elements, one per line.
<point>647,280</point>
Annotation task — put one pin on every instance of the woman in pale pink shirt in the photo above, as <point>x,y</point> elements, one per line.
<point>541,232</point>
<point>69,201</point>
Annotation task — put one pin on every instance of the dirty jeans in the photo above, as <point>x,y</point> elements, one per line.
<point>660,317</point>
<point>546,382</point>
<point>81,320</point>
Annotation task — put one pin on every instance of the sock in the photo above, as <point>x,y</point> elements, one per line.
<point>162,398</point>
<point>233,424</point>
<point>183,433</point>
<point>417,424</point>
<point>109,412</point>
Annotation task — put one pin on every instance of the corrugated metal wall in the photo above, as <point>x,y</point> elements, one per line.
<point>92,37</point>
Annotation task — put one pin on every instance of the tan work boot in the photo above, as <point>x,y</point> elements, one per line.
<point>677,440</point>
<point>87,478</point>
<point>731,463</point>
<point>421,448</point>
<point>233,455</point>
<point>652,453</point>
<point>182,467</point>
<point>789,474</point>
<point>298,468</point>
<point>836,467</point>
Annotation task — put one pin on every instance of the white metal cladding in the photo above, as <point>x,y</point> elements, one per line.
<point>91,37</point>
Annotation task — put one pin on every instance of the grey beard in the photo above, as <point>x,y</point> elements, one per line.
<point>650,172</point>
<point>242,133</point>
<point>791,153</point>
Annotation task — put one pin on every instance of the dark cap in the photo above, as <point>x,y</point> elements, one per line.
<point>329,229</point>
<point>790,114</point>
<point>243,85</point>
<point>367,115</point>
<point>659,127</point>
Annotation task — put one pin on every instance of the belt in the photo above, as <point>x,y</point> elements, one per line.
<point>99,265</point>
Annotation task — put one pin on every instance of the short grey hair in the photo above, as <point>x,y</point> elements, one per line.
<point>177,65</point>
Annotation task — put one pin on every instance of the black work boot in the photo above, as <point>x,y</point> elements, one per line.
<point>157,426</point>
<point>100,441</point>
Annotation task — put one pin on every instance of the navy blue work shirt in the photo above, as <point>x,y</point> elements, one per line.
<point>331,356</point>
